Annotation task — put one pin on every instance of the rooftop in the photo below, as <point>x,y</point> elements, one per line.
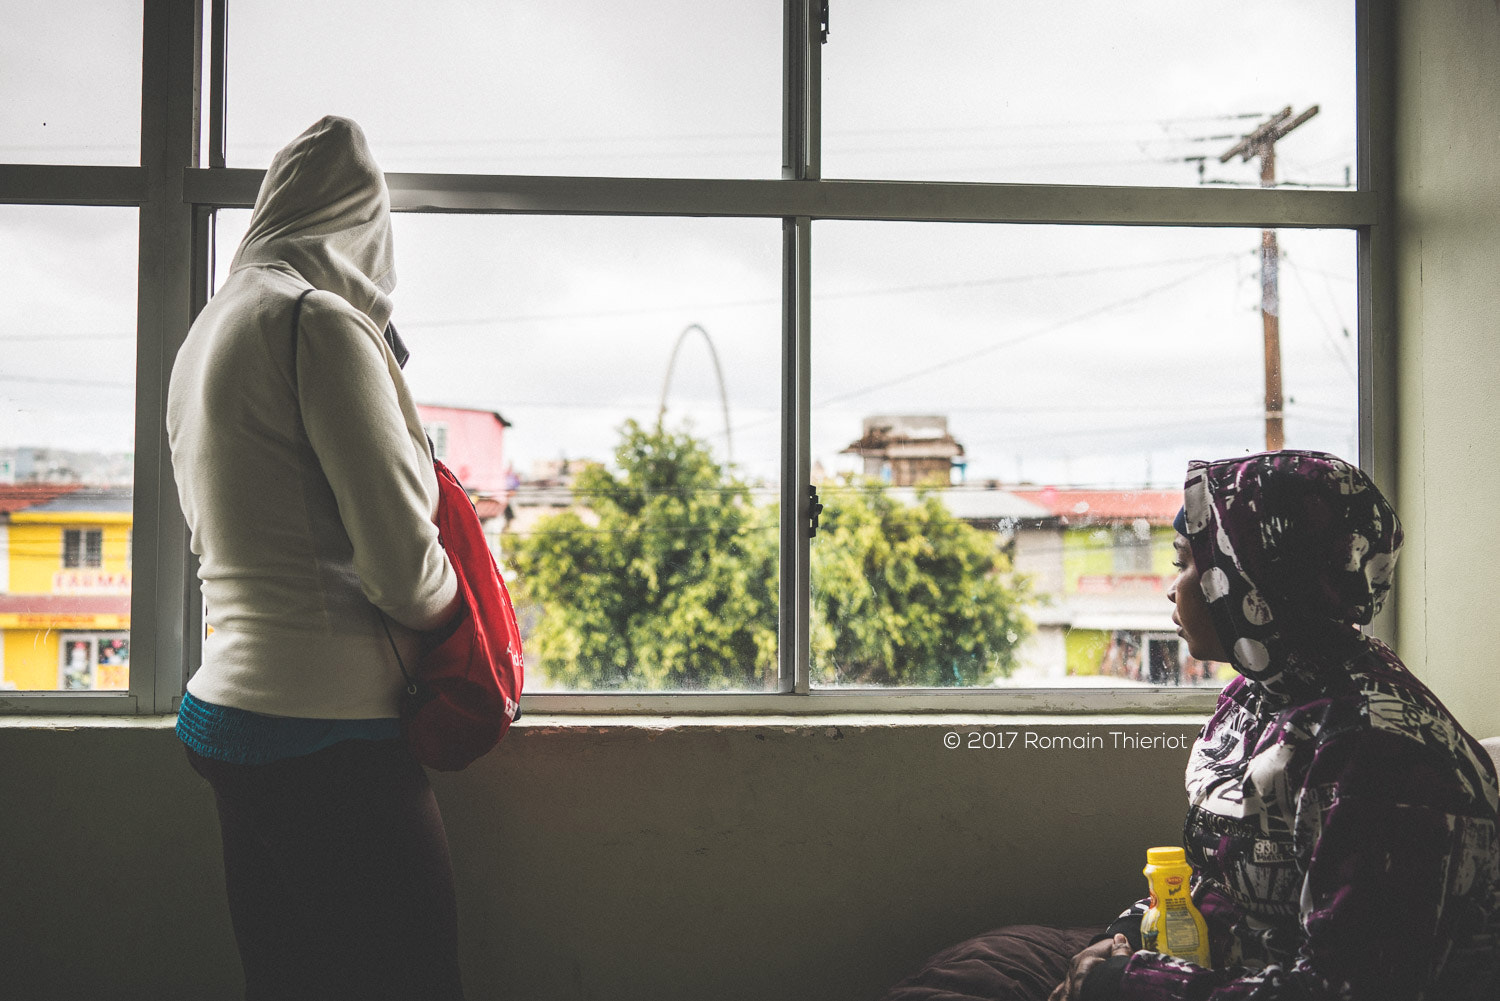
<point>85,499</point>
<point>20,496</point>
<point>1159,507</point>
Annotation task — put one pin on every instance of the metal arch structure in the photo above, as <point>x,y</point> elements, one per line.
<point>661,409</point>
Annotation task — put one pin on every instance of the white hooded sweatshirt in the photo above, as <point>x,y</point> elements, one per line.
<point>304,537</point>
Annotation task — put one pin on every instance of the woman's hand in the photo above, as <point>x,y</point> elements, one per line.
<point>1084,962</point>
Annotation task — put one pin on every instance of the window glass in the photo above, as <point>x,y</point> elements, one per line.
<point>70,71</point>
<point>1089,92</point>
<point>67,387</point>
<point>639,540</point>
<point>1002,416</point>
<point>659,88</point>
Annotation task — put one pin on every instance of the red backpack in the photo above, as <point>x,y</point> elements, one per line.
<point>466,690</point>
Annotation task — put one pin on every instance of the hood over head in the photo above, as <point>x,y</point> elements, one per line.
<point>323,210</point>
<point>1293,550</point>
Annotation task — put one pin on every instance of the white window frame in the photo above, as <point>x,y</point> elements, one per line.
<point>182,179</point>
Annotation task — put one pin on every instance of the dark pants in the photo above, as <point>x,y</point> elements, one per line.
<point>339,880</point>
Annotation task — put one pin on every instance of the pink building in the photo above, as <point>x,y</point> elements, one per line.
<point>472,444</point>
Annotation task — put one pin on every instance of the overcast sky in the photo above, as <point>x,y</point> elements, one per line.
<point>1060,354</point>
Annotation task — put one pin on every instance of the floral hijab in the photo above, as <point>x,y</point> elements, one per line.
<point>1293,549</point>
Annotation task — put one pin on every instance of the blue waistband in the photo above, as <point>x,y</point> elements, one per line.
<point>242,737</point>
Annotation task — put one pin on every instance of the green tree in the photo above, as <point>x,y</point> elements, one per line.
<point>675,587</point>
<point>676,584</point>
<point>909,594</point>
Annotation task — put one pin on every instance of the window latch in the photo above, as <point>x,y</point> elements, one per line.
<point>814,511</point>
<point>823,22</point>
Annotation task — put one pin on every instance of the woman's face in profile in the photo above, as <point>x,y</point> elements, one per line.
<point>1191,615</point>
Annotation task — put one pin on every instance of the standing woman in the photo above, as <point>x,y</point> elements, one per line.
<point>306,481</point>
<point>1341,824</point>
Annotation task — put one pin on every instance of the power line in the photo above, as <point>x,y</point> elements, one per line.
<point>509,141</point>
<point>969,356</point>
<point>59,338</point>
<point>418,324</point>
<point>1011,342</point>
<point>43,381</point>
<point>1323,324</point>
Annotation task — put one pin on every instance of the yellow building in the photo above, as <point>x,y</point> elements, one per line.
<point>64,587</point>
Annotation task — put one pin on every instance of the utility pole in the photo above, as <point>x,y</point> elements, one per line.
<point>1262,143</point>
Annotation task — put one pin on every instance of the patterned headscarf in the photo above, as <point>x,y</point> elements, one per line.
<point>1293,550</point>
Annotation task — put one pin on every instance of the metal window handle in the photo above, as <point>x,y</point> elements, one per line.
<point>814,511</point>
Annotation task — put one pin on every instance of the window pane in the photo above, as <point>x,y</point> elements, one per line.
<point>1092,92</point>
<point>1002,416</point>
<point>640,544</point>
<point>660,87</point>
<point>70,71</point>
<point>67,386</point>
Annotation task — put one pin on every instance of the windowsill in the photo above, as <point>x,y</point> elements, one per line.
<point>545,722</point>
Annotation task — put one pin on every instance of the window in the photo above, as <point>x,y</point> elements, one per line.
<point>851,351</point>
<point>83,547</point>
<point>94,662</point>
<point>71,73</point>
<point>438,433</point>
<point>1133,548</point>
<point>1092,93</point>
<point>67,325</point>
<point>652,88</point>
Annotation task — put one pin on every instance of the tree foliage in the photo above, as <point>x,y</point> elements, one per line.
<point>909,594</point>
<point>675,586</point>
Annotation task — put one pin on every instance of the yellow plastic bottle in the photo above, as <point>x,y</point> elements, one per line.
<point>1173,923</point>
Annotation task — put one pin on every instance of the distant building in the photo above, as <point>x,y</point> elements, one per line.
<point>29,464</point>
<point>472,444</point>
<point>1102,562</point>
<point>547,490</point>
<point>904,450</point>
<point>64,587</point>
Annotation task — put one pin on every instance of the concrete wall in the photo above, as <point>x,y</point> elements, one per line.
<point>818,860</point>
<point>1448,320</point>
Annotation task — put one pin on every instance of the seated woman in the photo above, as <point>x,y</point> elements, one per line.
<point>1341,824</point>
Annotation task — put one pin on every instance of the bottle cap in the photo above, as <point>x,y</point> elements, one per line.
<point>1165,856</point>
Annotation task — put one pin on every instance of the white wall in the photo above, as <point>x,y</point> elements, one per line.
<point>1448,318</point>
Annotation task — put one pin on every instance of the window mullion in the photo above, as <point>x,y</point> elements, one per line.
<point>217,82</point>
<point>1376,268</point>
<point>169,98</point>
<point>799,156</point>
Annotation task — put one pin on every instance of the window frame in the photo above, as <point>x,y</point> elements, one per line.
<point>182,179</point>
